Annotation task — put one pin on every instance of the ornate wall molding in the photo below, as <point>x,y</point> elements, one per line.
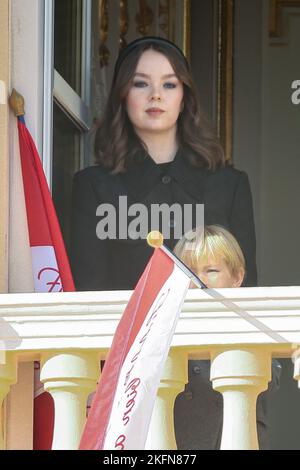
<point>164,15</point>
<point>278,33</point>
<point>186,45</point>
<point>144,18</point>
<point>166,18</point>
<point>124,22</point>
<point>103,50</point>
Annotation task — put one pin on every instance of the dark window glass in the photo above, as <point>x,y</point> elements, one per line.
<point>66,161</point>
<point>68,41</point>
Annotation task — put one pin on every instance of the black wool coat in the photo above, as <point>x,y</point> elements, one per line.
<point>117,264</point>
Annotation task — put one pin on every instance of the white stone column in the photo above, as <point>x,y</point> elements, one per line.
<point>70,377</point>
<point>296,360</point>
<point>175,375</point>
<point>19,409</point>
<point>240,375</point>
<point>8,376</point>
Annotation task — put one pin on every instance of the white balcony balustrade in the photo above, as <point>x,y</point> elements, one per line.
<point>70,377</point>
<point>240,330</point>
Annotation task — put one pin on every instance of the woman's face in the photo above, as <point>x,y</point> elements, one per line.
<point>155,97</point>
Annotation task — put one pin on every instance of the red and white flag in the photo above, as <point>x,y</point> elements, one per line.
<point>51,269</point>
<point>50,266</point>
<point>120,414</point>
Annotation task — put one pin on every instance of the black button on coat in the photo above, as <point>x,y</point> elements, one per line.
<point>118,264</point>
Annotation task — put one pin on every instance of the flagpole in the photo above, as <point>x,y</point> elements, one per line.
<point>156,240</point>
<point>49,261</point>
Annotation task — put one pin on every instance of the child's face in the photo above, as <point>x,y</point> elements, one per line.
<point>215,273</point>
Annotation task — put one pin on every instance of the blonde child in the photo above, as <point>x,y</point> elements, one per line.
<point>215,256</point>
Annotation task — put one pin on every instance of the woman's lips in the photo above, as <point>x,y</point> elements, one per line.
<point>154,111</point>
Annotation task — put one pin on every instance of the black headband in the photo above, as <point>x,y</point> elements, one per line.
<point>146,40</point>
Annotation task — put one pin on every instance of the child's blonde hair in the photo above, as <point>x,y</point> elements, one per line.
<point>211,240</point>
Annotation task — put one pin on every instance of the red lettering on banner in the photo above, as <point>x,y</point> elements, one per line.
<point>131,390</point>
<point>55,282</point>
<point>135,357</point>
<point>130,404</point>
<point>142,341</point>
<point>127,377</point>
<point>162,300</point>
<point>119,444</point>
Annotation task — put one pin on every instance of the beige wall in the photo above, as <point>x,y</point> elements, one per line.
<point>4,85</point>
<point>266,135</point>
<point>19,405</point>
<point>26,70</point>
<point>266,145</point>
<point>27,56</point>
<point>280,166</point>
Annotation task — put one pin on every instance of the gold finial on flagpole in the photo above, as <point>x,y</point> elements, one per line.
<point>17,102</point>
<point>155,239</point>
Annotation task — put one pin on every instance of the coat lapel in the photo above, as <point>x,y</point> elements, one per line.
<point>142,177</point>
<point>191,179</point>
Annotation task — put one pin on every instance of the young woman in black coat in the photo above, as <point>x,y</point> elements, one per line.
<point>153,146</point>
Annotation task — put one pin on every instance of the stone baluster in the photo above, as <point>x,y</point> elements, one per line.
<point>175,375</point>
<point>296,361</point>
<point>240,375</point>
<point>70,377</point>
<point>8,376</point>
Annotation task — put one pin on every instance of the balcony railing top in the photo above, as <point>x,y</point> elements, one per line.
<point>88,320</point>
<point>237,329</point>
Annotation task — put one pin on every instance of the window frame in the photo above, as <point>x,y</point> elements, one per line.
<point>76,108</point>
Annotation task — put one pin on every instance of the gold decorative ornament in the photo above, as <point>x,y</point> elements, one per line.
<point>17,103</point>
<point>124,20</point>
<point>103,50</point>
<point>155,239</point>
<point>276,8</point>
<point>164,18</point>
<point>144,18</point>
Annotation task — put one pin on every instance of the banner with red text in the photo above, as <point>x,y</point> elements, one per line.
<point>120,414</point>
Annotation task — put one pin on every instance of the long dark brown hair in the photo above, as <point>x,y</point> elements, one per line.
<point>117,146</point>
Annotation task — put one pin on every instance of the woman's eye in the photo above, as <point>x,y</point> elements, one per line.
<point>170,85</point>
<point>212,271</point>
<point>140,84</point>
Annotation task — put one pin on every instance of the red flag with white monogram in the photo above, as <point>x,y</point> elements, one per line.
<point>120,414</point>
<point>51,269</point>
<point>50,265</point>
